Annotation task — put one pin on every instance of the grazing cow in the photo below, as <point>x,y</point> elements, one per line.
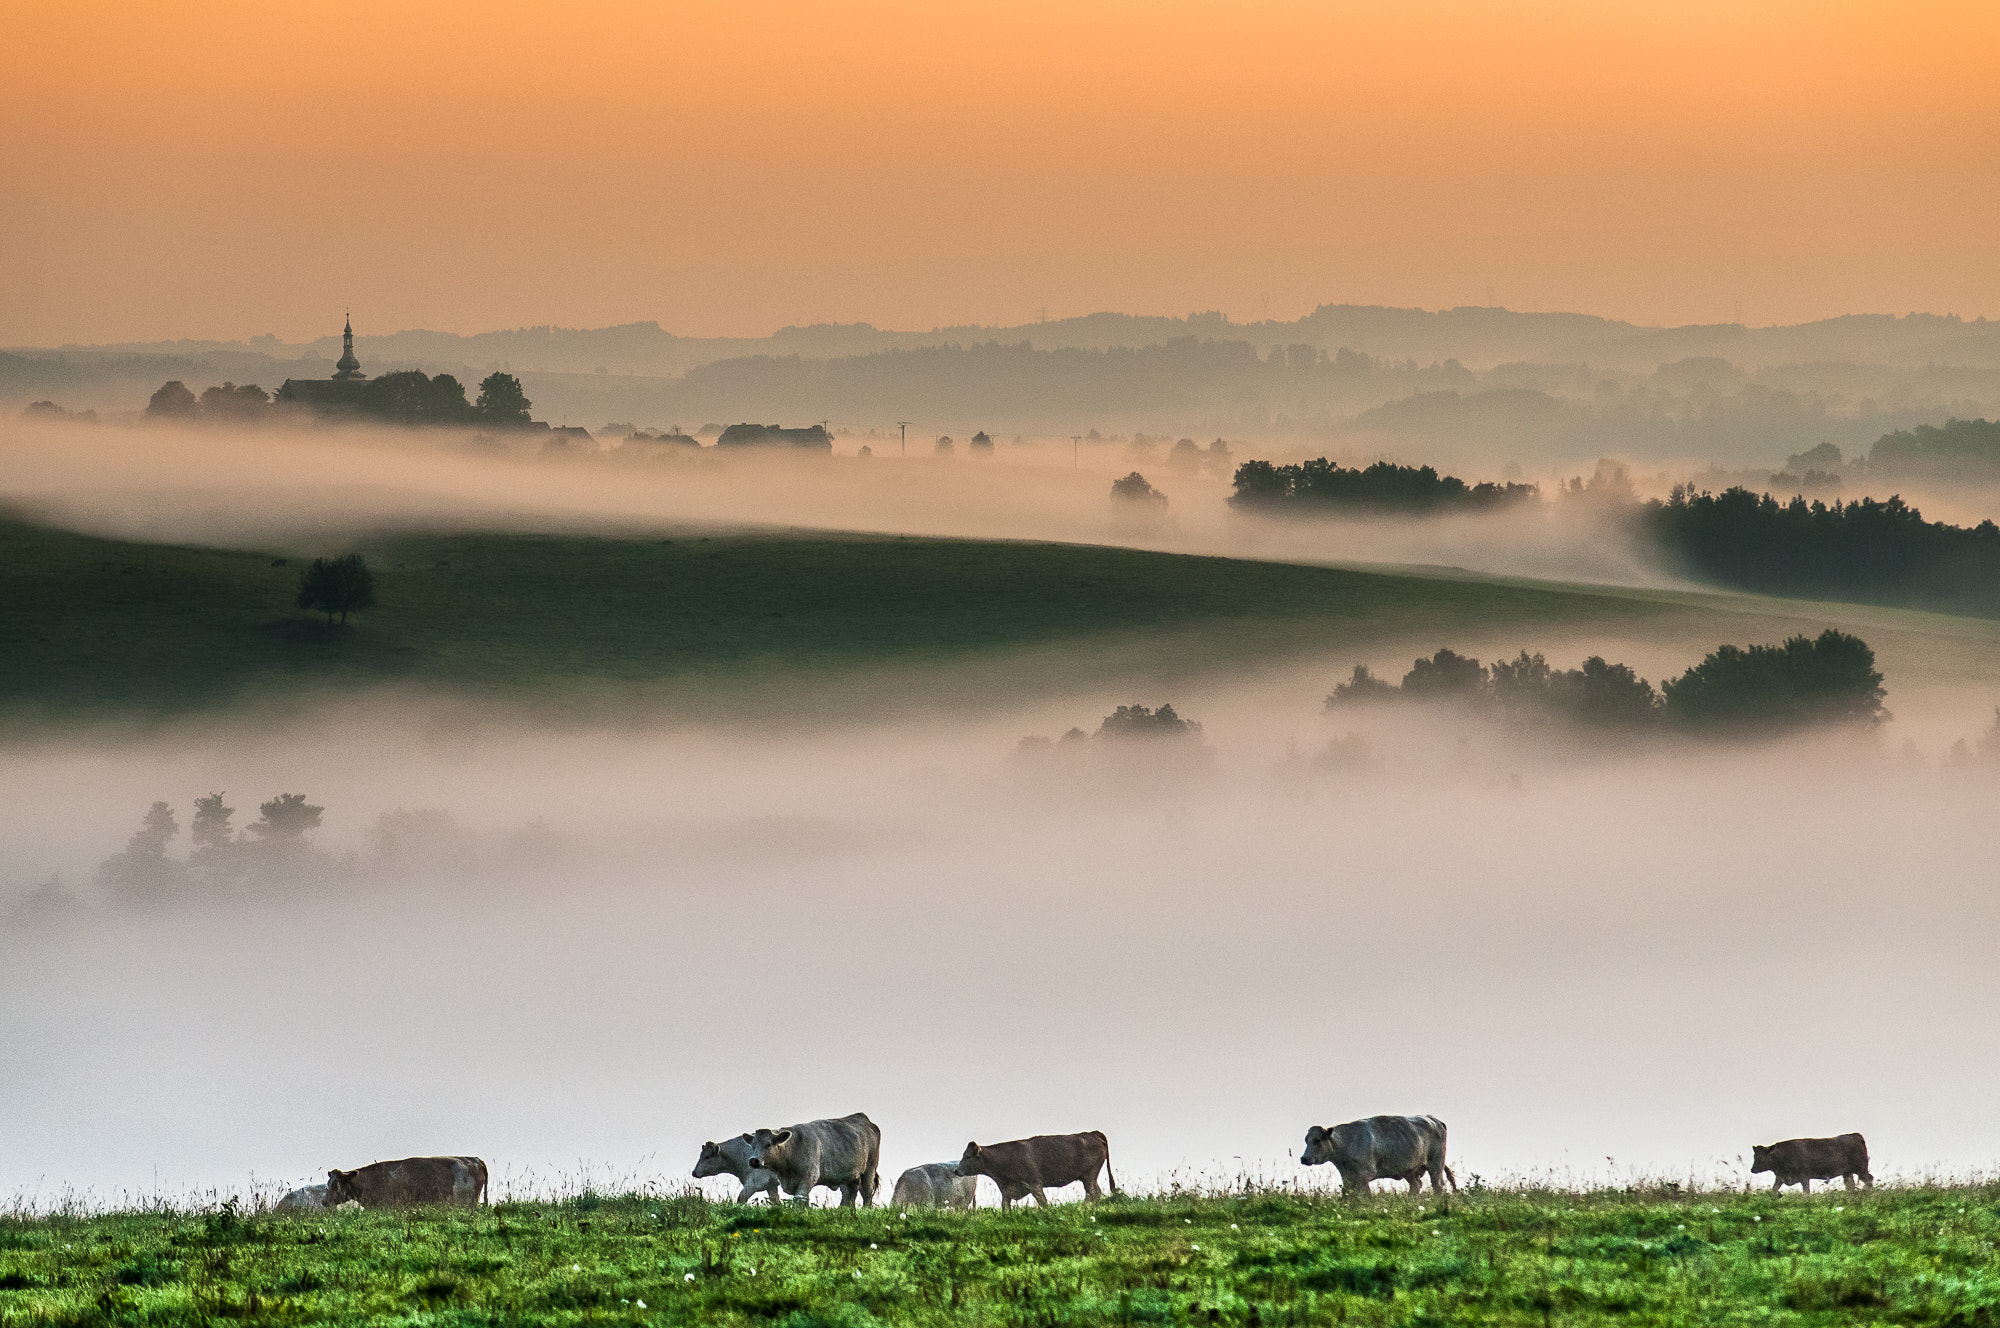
<point>839,1154</point>
<point>305,1200</point>
<point>732,1157</point>
<point>936,1185</point>
<point>1803,1161</point>
<point>409,1183</point>
<point>1382,1148</point>
<point>1022,1167</point>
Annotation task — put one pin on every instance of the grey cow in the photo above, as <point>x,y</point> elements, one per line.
<point>936,1185</point>
<point>839,1154</point>
<point>731,1157</point>
<point>1404,1148</point>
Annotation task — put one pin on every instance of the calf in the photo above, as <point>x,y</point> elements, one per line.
<point>1022,1167</point>
<point>936,1185</point>
<point>1404,1148</point>
<point>731,1157</point>
<point>841,1154</point>
<point>409,1183</point>
<point>1803,1161</point>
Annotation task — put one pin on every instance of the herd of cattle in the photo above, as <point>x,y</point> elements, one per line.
<point>845,1155</point>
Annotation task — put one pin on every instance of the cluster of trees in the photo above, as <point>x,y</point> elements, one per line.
<point>336,586</point>
<point>1965,450</point>
<point>222,860</point>
<point>406,397</point>
<point>1871,550</point>
<point>1320,485</point>
<point>1128,723</point>
<point>1830,679</point>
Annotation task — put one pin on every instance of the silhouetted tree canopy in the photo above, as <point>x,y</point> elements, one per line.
<point>1954,450</point>
<point>501,401</point>
<point>1868,550</point>
<point>1447,673</point>
<point>1134,489</point>
<point>232,404</point>
<point>409,397</point>
<point>337,586</point>
<point>1320,485</point>
<point>1830,679</point>
<point>285,819</point>
<point>173,401</point>
<point>1136,721</point>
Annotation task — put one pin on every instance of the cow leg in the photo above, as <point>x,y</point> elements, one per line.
<point>1848,1180</point>
<point>847,1189</point>
<point>1041,1199</point>
<point>1806,1184</point>
<point>1090,1189</point>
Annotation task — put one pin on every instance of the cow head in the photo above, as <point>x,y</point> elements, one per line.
<point>711,1162</point>
<point>1319,1146</point>
<point>340,1187</point>
<point>1760,1158</point>
<point>974,1161</point>
<point>770,1149</point>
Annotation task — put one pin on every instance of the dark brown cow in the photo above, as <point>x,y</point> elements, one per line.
<point>1022,1167</point>
<point>1803,1161</point>
<point>410,1183</point>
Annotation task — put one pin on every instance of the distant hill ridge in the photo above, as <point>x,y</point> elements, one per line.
<point>1479,337</point>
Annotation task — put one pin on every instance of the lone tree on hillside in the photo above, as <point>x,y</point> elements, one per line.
<point>337,585</point>
<point>1134,489</point>
<point>501,400</point>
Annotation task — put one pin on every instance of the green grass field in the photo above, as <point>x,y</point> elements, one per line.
<point>1898,1255</point>
<point>94,624</point>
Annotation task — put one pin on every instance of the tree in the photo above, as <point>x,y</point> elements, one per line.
<point>337,585</point>
<point>1363,686</point>
<point>1134,489</point>
<point>1447,673</point>
<point>501,400</point>
<point>172,402</point>
<point>285,819</point>
<point>233,403</point>
<point>1828,679</point>
<point>143,874</point>
<point>216,859</point>
<point>1136,721</point>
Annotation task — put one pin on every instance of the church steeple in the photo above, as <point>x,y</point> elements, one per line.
<point>348,367</point>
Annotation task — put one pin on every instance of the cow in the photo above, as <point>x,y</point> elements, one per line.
<point>1404,1148</point>
<point>306,1199</point>
<point>839,1154</point>
<point>732,1157</point>
<point>936,1185</point>
<point>1803,1161</point>
<point>1022,1167</point>
<point>409,1183</point>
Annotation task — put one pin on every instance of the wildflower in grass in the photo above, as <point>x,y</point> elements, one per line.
<point>642,1304</point>
<point>576,1268</point>
<point>1197,1247</point>
<point>872,1245</point>
<point>690,1277</point>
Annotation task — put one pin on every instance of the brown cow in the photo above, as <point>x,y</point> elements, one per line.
<point>1022,1167</point>
<point>409,1183</point>
<point>1803,1161</point>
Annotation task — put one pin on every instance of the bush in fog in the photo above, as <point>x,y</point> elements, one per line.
<point>1964,450</point>
<point>336,585</point>
<point>1363,686</point>
<point>1445,674</point>
<point>273,850</point>
<point>1830,679</point>
<point>1524,690</point>
<point>235,405</point>
<point>1135,490</point>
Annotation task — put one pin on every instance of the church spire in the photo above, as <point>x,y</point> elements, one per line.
<point>348,367</point>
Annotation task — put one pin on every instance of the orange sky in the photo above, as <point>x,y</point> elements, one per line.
<point>224,169</point>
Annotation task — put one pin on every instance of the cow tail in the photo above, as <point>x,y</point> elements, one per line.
<point>1109,1179</point>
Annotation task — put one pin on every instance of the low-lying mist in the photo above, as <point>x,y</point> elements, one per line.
<point>310,489</point>
<point>620,941</point>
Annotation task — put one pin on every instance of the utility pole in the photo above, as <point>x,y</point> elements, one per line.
<point>904,425</point>
<point>1075,442</point>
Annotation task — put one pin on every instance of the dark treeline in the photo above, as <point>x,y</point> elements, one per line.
<point>1960,450</point>
<point>1866,550</point>
<point>407,397</point>
<point>1830,679</point>
<point>1320,485</point>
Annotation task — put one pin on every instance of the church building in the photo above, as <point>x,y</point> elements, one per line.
<point>342,390</point>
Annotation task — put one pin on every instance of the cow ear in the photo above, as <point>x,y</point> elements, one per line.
<point>749,1138</point>
<point>781,1136</point>
<point>972,1146</point>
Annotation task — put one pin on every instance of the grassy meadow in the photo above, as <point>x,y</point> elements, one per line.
<point>1915,1255</point>
<point>95,623</point>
